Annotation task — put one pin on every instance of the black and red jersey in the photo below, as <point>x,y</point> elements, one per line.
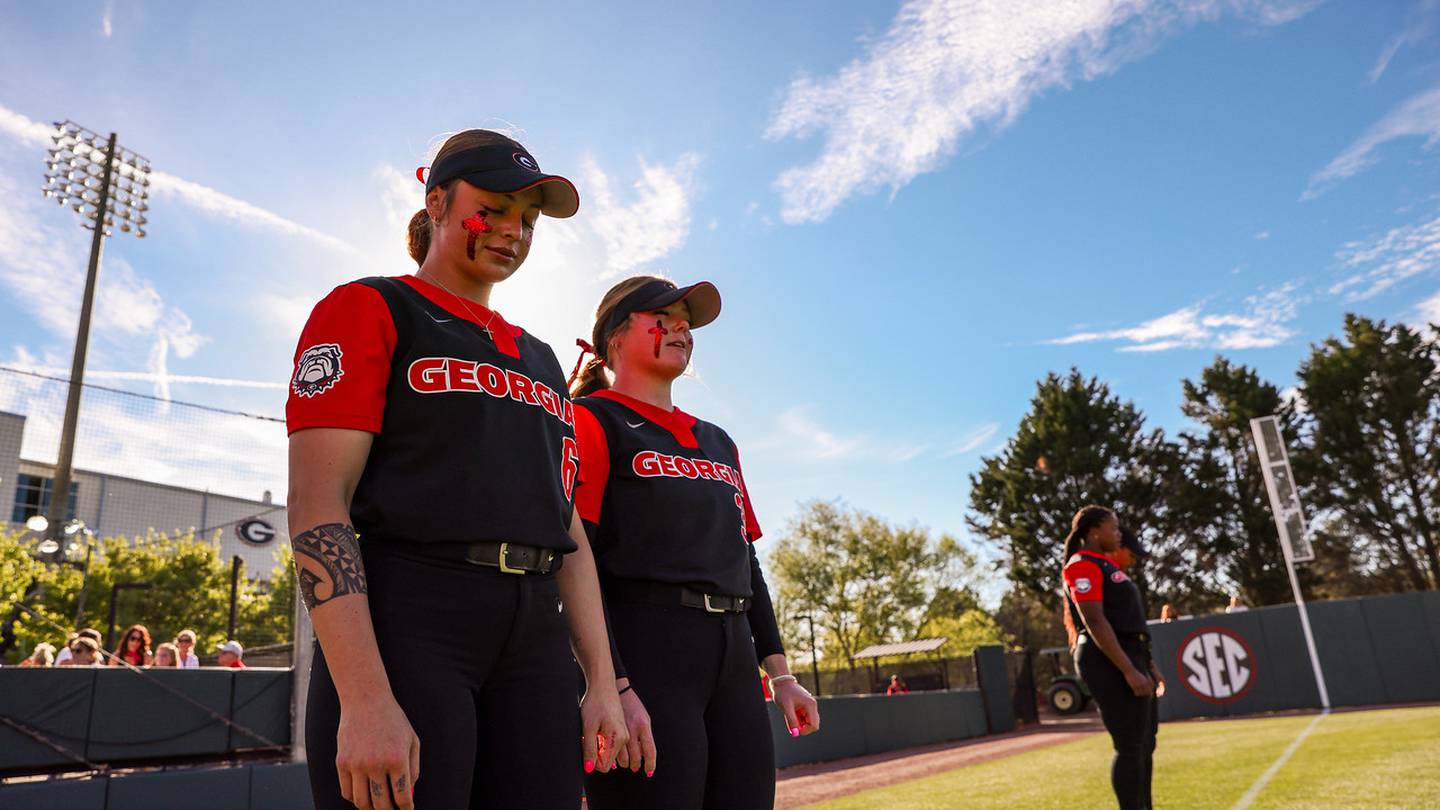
<point>474,432</point>
<point>663,500</point>
<point>1093,577</point>
<point>666,495</point>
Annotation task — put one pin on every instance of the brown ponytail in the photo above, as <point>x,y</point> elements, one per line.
<point>417,237</point>
<point>590,377</point>
<point>1086,519</point>
<point>417,234</point>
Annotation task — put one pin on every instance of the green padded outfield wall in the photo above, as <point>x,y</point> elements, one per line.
<point>1372,650</point>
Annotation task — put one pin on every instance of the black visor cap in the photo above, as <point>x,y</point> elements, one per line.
<point>703,298</point>
<point>505,168</point>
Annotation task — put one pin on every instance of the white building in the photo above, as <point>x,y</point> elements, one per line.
<point>113,505</point>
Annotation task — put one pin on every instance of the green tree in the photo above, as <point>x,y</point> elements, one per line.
<point>955,615</point>
<point>1077,445</point>
<point>1221,534</point>
<point>189,588</point>
<point>863,580</point>
<point>1373,466</point>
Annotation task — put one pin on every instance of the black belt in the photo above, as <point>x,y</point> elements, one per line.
<point>666,595</point>
<point>510,558</point>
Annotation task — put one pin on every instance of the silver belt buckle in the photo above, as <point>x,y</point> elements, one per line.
<point>709,608</point>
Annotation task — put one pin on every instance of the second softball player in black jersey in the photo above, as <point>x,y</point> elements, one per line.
<point>1106,614</point>
<point>668,515</point>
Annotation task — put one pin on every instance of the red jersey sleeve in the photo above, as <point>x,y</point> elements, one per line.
<point>342,363</point>
<point>752,524</point>
<point>594,464</point>
<point>1085,581</point>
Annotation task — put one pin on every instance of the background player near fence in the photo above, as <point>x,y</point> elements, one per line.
<point>667,511</point>
<point>432,464</point>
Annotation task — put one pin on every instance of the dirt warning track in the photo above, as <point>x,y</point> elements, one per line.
<point>800,785</point>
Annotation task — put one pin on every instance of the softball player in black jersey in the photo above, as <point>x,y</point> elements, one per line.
<point>1106,612</point>
<point>665,506</point>
<point>432,467</point>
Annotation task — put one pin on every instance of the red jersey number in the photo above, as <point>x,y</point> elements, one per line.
<point>569,466</point>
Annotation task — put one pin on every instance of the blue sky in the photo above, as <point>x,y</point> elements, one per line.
<point>914,211</point>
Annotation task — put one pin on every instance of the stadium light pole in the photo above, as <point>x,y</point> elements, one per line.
<point>104,184</point>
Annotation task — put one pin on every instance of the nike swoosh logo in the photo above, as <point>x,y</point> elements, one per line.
<point>437,320</point>
<point>642,424</point>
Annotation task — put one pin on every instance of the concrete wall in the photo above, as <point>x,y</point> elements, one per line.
<point>251,787</point>
<point>1373,650</point>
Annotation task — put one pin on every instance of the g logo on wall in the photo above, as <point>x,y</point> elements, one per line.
<point>255,531</point>
<point>1216,665</point>
<point>317,369</point>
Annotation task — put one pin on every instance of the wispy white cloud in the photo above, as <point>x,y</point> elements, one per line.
<point>107,20</point>
<point>1419,25</point>
<point>654,223</point>
<point>1262,321</point>
<point>812,440</point>
<point>201,198</point>
<point>1427,312</point>
<point>43,268</point>
<point>973,440</point>
<point>1381,263</point>
<point>946,68</point>
<point>1262,235</point>
<point>1418,116</point>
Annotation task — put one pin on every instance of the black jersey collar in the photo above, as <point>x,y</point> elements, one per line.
<point>677,422</point>
<point>502,332</point>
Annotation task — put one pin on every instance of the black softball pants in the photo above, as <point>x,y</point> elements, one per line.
<point>698,678</point>
<point>480,663</point>
<point>1132,721</point>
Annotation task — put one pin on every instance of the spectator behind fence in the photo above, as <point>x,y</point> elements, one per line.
<point>84,652</point>
<point>134,648</point>
<point>1167,612</point>
<point>185,646</point>
<point>230,654</point>
<point>897,686</point>
<point>166,656</point>
<point>1235,606</point>
<point>64,654</point>
<point>42,656</point>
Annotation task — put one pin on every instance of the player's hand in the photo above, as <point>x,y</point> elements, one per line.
<point>1139,682</point>
<point>602,728</point>
<point>640,750</point>
<point>377,756</point>
<point>1159,680</point>
<point>802,713</point>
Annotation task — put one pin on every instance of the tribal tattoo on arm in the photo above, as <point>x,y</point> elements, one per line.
<point>328,563</point>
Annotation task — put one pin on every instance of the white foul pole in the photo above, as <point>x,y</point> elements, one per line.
<point>1289,520</point>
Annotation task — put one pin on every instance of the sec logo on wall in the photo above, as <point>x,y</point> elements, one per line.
<point>1216,665</point>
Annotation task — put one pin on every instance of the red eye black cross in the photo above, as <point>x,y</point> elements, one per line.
<point>659,331</point>
<point>474,226</point>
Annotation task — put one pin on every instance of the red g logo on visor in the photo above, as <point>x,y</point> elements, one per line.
<point>526,162</point>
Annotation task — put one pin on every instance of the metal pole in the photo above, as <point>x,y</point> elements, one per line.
<point>1304,612</point>
<point>234,587</point>
<point>84,584</point>
<point>301,655</point>
<point>814,664</point>
<point>110,634</point>
<point>60,488</point>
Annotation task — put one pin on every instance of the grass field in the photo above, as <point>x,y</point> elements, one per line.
<point>1370,759</point>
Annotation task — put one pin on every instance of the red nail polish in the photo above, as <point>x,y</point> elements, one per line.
<point>794,732</point>
<point>589,766</point>
<point>649,774</point>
